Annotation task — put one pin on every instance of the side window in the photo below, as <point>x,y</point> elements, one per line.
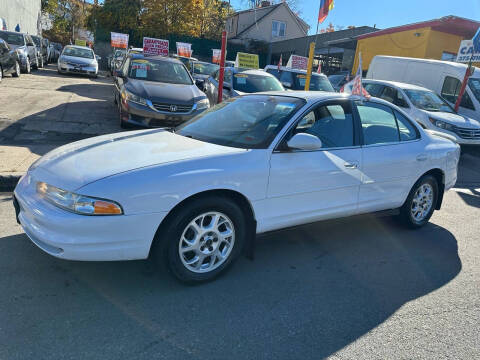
<point>407,130</point>
<point>286,78</point>
<point>378,124</point>
<point>373,89</point>
<point>331,123</point>
<point>451,88</point>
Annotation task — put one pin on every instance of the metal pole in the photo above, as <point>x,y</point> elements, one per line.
<point>464,84</point>
<point>222,67</point>
<point>309,66</point>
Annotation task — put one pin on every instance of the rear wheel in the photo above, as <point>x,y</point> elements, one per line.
<point>420,203</point>
<point>17,70</point>
<point>35,63</point>
<point>202,239</point>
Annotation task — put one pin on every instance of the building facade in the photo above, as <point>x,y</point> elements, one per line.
<point>21,15</point>
<point>269,23</point>
<point>437,39</point>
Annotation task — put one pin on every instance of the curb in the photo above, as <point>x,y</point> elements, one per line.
<point>8,181</point>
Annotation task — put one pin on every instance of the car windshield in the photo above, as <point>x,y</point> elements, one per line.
<point>474,84</point>
<point>428,100</point>
<point>317,83</point>
<point>204,68</point>
<point>251,83</point>
<point>36,40</point>
<point>247,122</point>
<point>78,52</point>
<point>159,71</point>
<point>12,39</point>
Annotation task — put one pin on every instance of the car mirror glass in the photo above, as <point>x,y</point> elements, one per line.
<point>304,141</point>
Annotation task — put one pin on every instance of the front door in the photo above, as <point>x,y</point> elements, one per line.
<point>306,186</point>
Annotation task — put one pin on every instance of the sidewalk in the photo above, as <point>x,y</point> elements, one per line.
<point>44,110</point>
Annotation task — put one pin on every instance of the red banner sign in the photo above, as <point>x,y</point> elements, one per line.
<point>154,47</point>
<point>118,40</point>
<point>297,62</point>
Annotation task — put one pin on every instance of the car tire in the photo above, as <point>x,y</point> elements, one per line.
<point>216,246</point>
<point>1,74</point>
<point>123,124</point>
<point>17,70</point>
<point>28,66</point>
<point>420,203</point>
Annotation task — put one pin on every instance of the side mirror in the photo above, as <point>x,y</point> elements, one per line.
<point>304,141</point>
<point>287,84</point>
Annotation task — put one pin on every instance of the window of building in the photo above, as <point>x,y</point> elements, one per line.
<point>278,28</point>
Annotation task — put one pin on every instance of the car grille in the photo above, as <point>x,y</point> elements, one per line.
<point>77,65</point>
<point>466,133</point>
<point>172,108</point>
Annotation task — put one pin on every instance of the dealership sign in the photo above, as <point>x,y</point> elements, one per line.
<point>466,52</point>
<point>217,54</point>
<point>154,47</point>
<point>118,40</point>
<point>244,60</point>
<point>297,62</point>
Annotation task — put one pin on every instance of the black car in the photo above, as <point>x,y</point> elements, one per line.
<point>201,71</point>
<point>9,61</point>
<point>156,91</point>
<point>25,47</point>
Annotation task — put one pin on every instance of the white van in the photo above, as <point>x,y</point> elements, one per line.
<point>443,77</point>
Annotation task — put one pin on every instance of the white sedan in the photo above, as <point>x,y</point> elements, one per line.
<point>193,198</point>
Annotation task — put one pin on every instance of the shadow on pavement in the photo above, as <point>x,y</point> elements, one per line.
<point>310,292</point>
<point>470,196</point>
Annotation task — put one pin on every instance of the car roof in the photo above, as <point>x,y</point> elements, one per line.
<point>78,47</point>
<point>297,71</point>
<point>396,84</point>
<point>236,70</point>
<point>158,57</point>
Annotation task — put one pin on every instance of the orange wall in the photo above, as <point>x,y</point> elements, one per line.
<point>440,42</point>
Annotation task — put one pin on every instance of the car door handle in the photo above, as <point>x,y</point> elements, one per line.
<point>350,165</point>
<point>422,157</point>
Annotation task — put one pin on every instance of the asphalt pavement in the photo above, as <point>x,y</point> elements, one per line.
<point>357,288</point>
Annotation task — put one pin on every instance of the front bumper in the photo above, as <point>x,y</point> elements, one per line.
<point>86,70</point>
<point>147,116</point>
<point>78,237</point>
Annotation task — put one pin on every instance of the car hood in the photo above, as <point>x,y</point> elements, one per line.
<point>164,92</point>
<point>77,164</point>
<point>455,119</point>
<point>78,60</point>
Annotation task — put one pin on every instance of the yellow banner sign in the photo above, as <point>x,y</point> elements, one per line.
<point>80,42</point>
<point>245,60</point>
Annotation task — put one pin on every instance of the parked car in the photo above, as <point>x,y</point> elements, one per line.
<point>117,59</point>
<point>9,60</point>
<point>238,81</point>
<point>185,60</point>
<point>46,45</point>
<point>78,60</point>
<point>442,77</point>
<point>201,71</point>
<point>193,198</point>
<point>42,53</point>
<point>156,91</point>
<point>430,110</point>
<point>25,47</point>
<point>339,79</point>
<point>294,79</point>
<point>55,51</point>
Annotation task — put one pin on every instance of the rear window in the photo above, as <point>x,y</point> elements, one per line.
<point>317,83</point>
<point>251,83</point>
<point>12,39</point>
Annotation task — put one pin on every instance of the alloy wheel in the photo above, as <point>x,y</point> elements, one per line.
<point>206,242</point>
<point>422,202</point>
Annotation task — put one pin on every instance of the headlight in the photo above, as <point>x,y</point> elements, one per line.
<point>76,203</point>
<point>203,104</point>
<point>442,124</point>
<point>133,98</point>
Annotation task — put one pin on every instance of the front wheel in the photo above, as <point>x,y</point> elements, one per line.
<point>420,203</point>
<point>202,239</point>
<point>17,70</point>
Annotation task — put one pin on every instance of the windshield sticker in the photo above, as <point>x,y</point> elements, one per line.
<point>140,70</point>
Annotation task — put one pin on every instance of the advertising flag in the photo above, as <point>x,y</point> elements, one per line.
<point>297,62</point>
<point>319,69</point>
<point>357,88</point>
<point>118,40</point>
<point>184,49</point>
<point>217,54</point>
<point>325,7</point>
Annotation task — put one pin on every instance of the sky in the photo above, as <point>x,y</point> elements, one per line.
<point>382,13</point>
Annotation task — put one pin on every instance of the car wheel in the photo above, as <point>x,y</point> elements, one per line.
<point>17,70</point>
<point>28,66</point>
<point>35,64</point>
<point>123,124</point>
<point>202,239</point>
<point>1,74</point>
<point>420,203</point>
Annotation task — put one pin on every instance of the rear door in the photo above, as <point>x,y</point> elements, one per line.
<point>393,156</point>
